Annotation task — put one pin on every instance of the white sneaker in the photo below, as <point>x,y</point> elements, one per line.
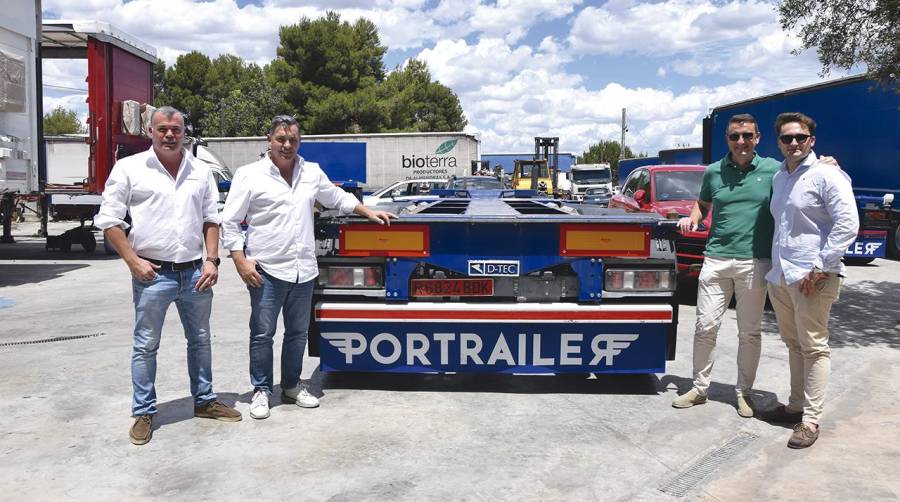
<point>259,406</point>
<point>300,396</point>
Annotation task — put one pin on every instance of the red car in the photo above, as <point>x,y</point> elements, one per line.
<point>670,190</point>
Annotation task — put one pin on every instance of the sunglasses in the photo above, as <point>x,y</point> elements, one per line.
<point>787,139</point>
<point>738,135</point>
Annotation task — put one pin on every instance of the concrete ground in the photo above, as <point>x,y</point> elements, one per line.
<point>64,413</point>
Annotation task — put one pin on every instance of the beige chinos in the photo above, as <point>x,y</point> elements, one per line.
<point>803,323</point>
<point>720,279</point>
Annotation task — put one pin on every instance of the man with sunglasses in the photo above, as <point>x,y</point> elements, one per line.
<point>737,257</point>
<point>276,196</point>
<point>815,221</point>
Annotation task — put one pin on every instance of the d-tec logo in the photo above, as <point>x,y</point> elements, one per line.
<point>494,268</point>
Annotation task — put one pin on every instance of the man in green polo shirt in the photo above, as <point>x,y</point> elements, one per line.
<point>737,257</point>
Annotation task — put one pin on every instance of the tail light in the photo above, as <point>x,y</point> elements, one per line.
<point>351,277</point>
<point>639,280</point>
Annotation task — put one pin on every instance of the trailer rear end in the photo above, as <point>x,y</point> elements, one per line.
<point>505,285</point>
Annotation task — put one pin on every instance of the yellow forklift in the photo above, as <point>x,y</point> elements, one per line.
<point>541,172</point>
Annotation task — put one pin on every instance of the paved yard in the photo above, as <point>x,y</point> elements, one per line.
<point>64,413</point>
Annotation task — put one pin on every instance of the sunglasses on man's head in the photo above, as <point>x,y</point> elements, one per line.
<point>788,138</point>
<point>738,135</point>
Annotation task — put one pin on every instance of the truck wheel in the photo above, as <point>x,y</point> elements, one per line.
<point>894,242</point>
<point>89,242</point>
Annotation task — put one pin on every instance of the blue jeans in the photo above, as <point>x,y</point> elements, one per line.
<point>151,300</point>
<point>293,300</point>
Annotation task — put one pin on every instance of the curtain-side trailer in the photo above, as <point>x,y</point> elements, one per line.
<point>858,123</point>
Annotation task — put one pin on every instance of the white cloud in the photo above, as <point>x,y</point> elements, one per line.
<point>512,91</point>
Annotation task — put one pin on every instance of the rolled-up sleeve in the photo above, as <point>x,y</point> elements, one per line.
<point>837,192</point>
<point>332,196</point>
<point>210,204</point>
<point>115,200</point>
<point>235,212</point>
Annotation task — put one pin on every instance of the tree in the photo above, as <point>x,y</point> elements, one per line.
<point>318,58</point>
<point>159,78</point>
<point>62,121</point>
<point>185,88</point>
<point>847,33</point>
<point>414,103</point>
<point>246,111</point>
<point>606,152</point>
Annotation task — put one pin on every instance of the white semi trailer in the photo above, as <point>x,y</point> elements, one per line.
<point>372,160</point>
<point>19,30</point>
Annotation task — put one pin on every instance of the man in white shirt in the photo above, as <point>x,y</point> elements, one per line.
<point>276,197</point>
<point>815,221</point>
<point>173,214</point>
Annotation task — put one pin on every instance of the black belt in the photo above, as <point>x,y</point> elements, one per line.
<point>175,267</point>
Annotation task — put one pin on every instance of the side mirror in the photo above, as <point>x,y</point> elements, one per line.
<point>640,195</point>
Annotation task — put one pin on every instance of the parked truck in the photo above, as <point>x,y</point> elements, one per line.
<point>586,176</point>
<point>508,284</point>
<point>66,175</point>
<point>858,123</point>
<point>19,110</point>
<point>370,160</point>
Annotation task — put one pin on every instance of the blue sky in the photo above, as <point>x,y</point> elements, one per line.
<point>561,68</point>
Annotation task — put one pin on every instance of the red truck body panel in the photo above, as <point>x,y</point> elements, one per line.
<point>114,76</point>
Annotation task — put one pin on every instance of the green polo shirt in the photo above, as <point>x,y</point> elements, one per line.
<point>742,225</point>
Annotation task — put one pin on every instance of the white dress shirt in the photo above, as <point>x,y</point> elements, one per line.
<point>167,214</point>
<point>815,220</point>
<point>280,216</point>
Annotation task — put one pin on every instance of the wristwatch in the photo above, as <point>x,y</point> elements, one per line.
<point>214,260</point>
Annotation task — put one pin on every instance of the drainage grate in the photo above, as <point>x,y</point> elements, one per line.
<point>49,340</point>
<point>700,470</point>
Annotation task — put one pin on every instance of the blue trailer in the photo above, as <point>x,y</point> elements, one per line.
<point>508,160</point>
<point>628,165</point>
<point>858,123</point>
<point>501,284</point>
<point>681,156</point>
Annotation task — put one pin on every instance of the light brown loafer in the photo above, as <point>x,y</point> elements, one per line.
<point>803,437</point>
<point>688,399</point>
<point>141,430</point>
<point>217,411</point>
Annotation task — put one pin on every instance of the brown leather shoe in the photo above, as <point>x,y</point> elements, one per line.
<point>218,411</point>
<point>142,429</point>
<point>803,437</point>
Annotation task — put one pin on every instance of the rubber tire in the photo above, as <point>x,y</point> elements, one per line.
<point>89,242</point>
<point>894,242</point>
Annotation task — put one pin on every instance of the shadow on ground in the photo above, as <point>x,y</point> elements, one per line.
<point>719,392</point>
<point>19,274</point>
<point>34,248</point>
<point>488,382</point>
<point>866,315</point>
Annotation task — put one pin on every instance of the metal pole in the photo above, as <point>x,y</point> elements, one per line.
<point>622,144</point>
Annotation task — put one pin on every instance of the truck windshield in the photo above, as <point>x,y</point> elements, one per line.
<point>485,183</point>
<point>677,185</point>
<point>591,176</point>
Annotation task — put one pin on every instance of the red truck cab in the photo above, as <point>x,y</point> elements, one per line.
<point>671,191</point>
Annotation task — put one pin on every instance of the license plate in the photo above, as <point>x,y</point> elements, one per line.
<point>452,287</point>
